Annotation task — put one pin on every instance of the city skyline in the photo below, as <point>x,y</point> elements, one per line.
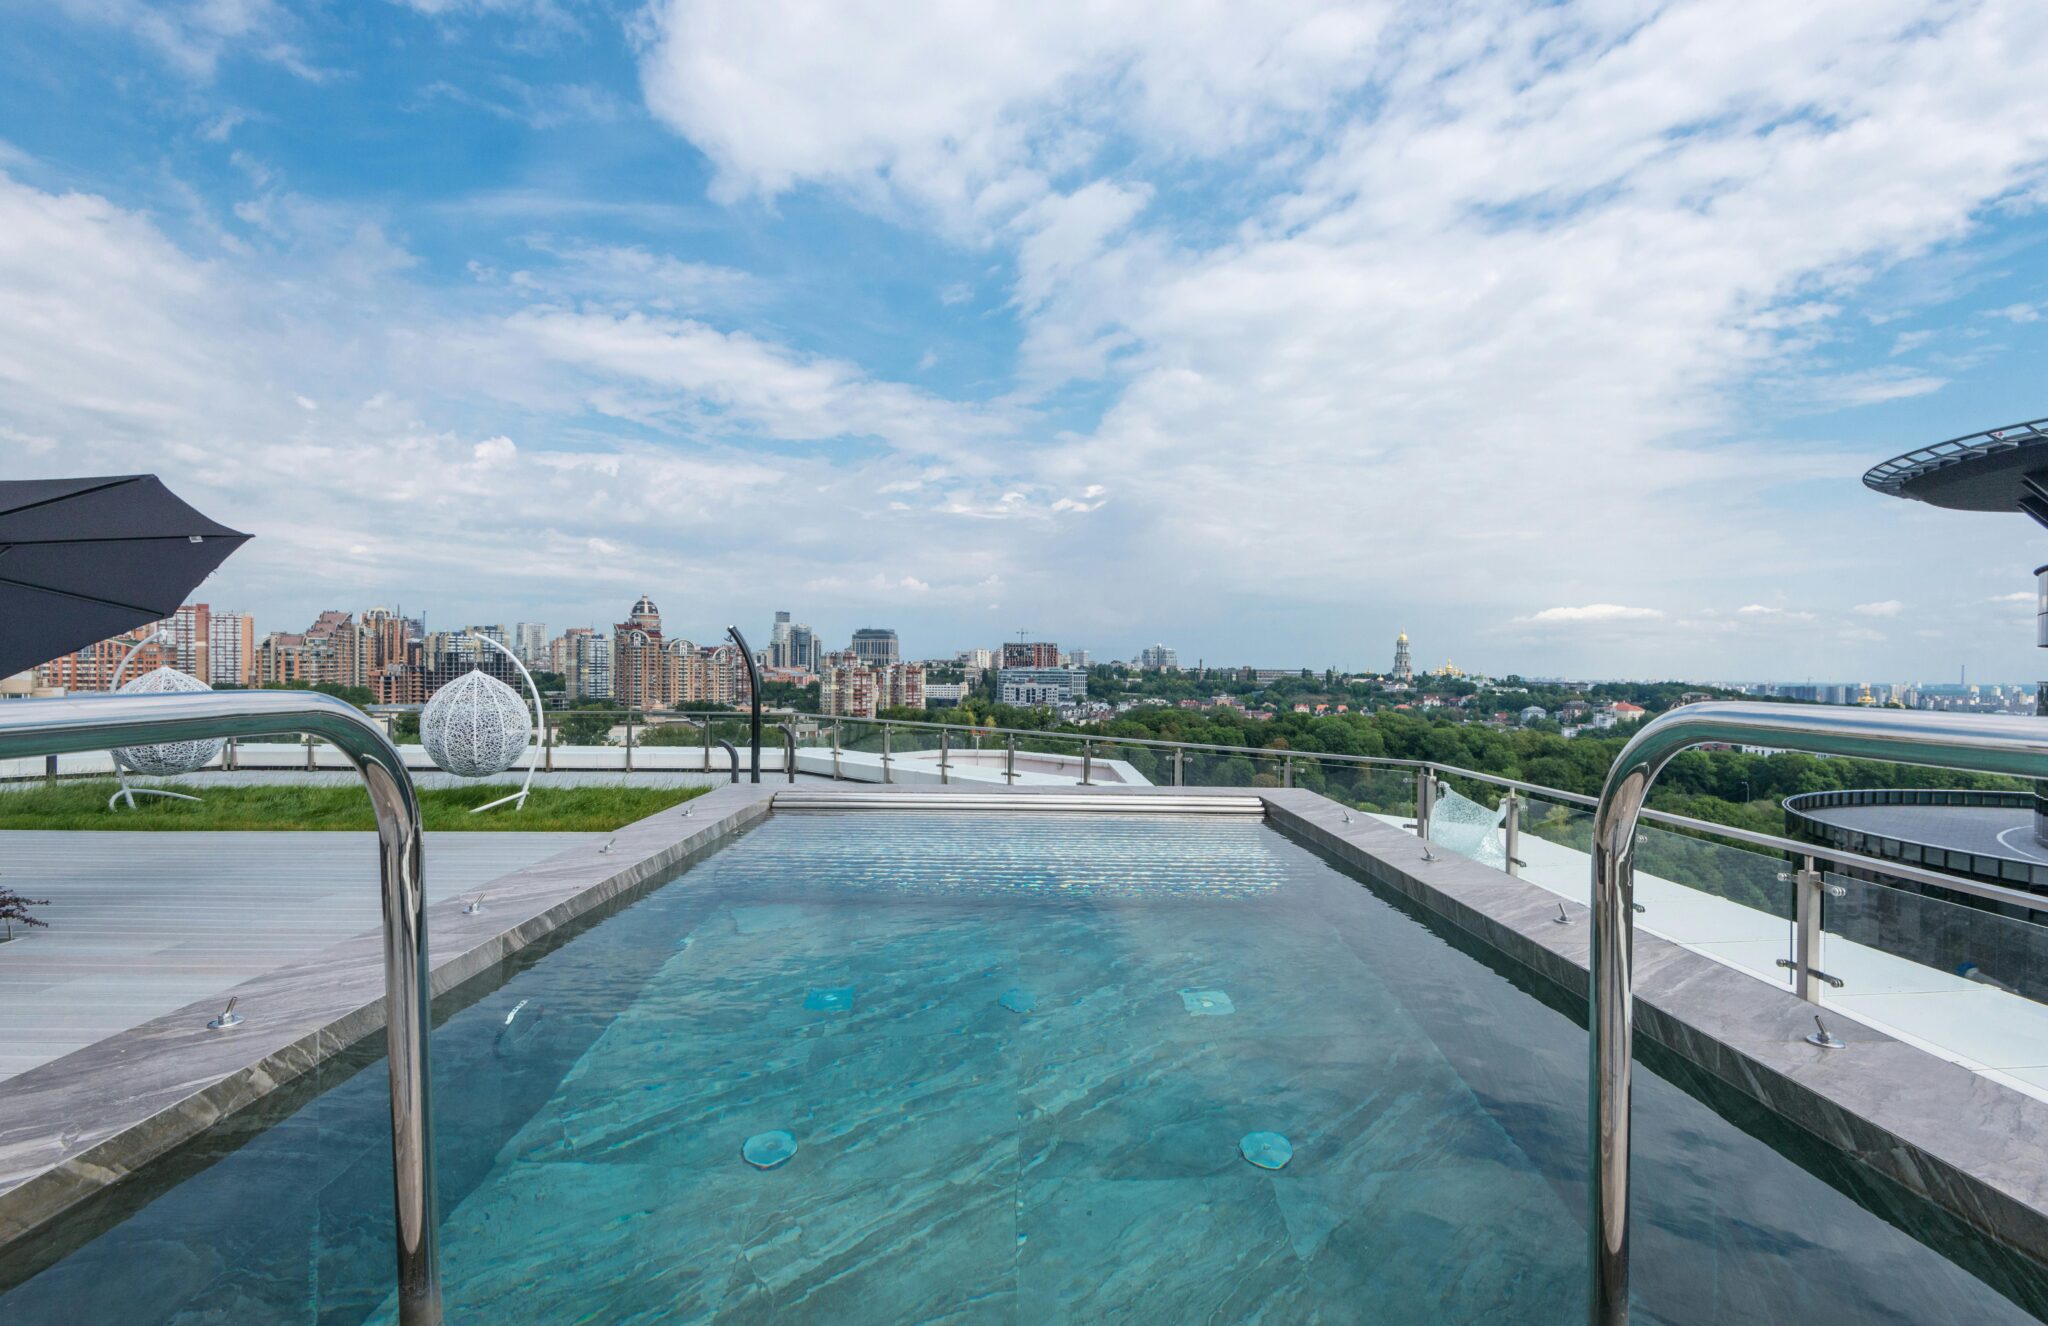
<point>1188,327</point>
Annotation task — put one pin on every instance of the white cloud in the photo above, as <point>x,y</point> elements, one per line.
<point>1881,608</point>
<point>2016,313</point>
<point>2017,596</point>
<point>1591,612</point>
<point>193,36</point>
<point>1761,612</point>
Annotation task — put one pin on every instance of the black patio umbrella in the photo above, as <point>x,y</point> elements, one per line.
<point>82,560</point>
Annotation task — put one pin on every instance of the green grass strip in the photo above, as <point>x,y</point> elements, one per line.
<point>588,808</point>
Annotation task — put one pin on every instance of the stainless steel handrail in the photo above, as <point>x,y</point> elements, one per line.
<point>788,749</point>
<point>2014,746</point>
<point>99,722</point>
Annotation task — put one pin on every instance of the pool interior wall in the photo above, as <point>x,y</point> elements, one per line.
<point>843,977</point>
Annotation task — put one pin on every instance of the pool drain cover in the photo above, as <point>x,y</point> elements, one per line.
<point>1266,1150</point>
<point>830,998</point>
<point>1019,1001</point>
<point>767,1150</point>
<point>1207,1003</point>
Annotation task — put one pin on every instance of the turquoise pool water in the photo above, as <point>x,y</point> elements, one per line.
<point>1018,1056</point>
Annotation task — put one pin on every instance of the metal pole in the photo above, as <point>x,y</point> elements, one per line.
<point>1087,760</point>
<point>1178,772</point>
<point>1010,760</point>
<point>1425,799</point>
<point>945,745</point>
<point>1511,833</point>
<point>1985,744</point>
<point>1807,976</point>
<point>539,716</point>
<point>1287,771</point>
<point>101,722</point>
<point>788,750</point>
<point>629,741</point>
<point>835,749</point>
<point>887,776</point>
<point>753,686</point>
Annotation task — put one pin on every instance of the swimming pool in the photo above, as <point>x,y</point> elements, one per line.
<point>1018,1055</point>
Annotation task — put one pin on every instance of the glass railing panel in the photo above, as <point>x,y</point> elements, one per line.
<point>1731,903</point>
<point>1963,977</point>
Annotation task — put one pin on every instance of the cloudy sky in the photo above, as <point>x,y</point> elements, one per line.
<point>1556,334</point>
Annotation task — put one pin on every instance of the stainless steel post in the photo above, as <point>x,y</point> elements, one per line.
<point>1425,800</point>
<point>945,747</point>
<point>1087,761</point>
<point>100,722</point>
<point>1010,761</point>
<point>1806,932</point>
<point>1511,833</point>
<point>788,750</point>
<point>835,749</point>
<point>1178,772</point>
<point>629,741</point>
<point>887,776</point>
<point>1287,771</point>
<point>2004,745</point>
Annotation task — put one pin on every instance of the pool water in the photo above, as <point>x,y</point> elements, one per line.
<point>1018,1057</point>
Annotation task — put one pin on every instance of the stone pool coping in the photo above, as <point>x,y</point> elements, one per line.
<point>1887,1104</point>
<point>81,1123</point>
<point>76,1125</point>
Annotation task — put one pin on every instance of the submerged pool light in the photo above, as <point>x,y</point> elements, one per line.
<point>1266,1150</point>
<point>1207,1003</point>
<point>767,1150</point>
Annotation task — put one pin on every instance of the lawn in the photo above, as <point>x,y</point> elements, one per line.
<point>592,808</point>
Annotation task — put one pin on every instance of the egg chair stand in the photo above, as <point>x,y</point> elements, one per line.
<point>129,792</point>
<point>540,734</point>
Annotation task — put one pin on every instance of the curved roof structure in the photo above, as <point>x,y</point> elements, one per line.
<point>1984,471</point>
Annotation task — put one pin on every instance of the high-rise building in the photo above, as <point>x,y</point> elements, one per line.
<point>583,658</point>
<point>1404,670</point>
<point>93,667</point>
<point>283,658</point>
<point>875,646</point>
<point>640,669</point>
<point>1158,658</point>
<point>792,645</point>
<point>1079,658</point>
<point>1030,654</point>
<point>230,650</point>
<point>191,628</point>
<point>847,687</point>
<point>337,650</point>
<point>530,642</point>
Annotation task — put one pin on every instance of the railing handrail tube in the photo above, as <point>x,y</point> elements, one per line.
<point>2005,745</point>
<point>98,722</point>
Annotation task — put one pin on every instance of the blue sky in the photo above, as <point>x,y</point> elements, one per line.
<point>1557,335</point>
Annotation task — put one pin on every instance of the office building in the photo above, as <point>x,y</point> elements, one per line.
<point>875,646</point>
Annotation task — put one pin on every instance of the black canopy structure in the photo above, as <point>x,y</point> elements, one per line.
<point>82,560</point>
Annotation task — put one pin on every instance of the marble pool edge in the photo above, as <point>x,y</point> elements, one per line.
<point>1886,1104</point>
<point>88,1120</point>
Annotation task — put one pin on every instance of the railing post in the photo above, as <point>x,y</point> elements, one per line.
<point>1806,977</point>
<point>1425,799</point>
<point>888,776</point>
<point>835,750</point>
<point>1287,771</point>
<point>1087,760</point>
<point>309,753</point>
<point>707,745</point>
<point>1178,773</point>
<point>1511,833</point>
<point>629,741</point>
<point>1010,761</point>
<point>945,746</point>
